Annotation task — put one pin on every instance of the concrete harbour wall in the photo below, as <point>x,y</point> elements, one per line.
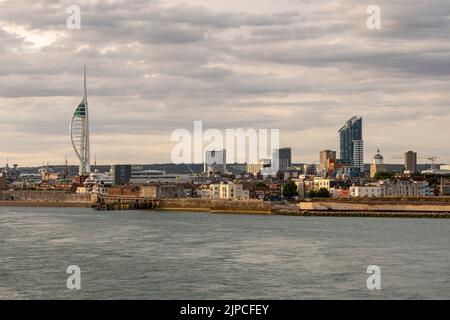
<point>43,197</point>
<point>341,206</point>
<point>436,207</point>
<point>249,206</point>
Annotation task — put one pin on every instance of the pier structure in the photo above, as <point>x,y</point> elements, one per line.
<point>122,202</point>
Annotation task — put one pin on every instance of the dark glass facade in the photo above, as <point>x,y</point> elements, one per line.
<point>282,158</point>
<point>350,132</point>
<point>121,174</point>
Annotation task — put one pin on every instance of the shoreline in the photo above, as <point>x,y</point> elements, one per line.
<point>205,210</point>
<point>274,212</point>
<point>25,203</point>
<point>367,214</point>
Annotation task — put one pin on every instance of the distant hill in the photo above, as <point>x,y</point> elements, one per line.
<point>168,167</point>
<point>183,168</point>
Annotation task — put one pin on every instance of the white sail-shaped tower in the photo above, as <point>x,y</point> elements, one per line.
<point>79,133</point>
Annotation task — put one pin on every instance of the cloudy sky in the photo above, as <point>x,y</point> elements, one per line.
<point>303,67</point>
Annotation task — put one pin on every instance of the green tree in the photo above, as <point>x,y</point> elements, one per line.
<point>323,193</point>
<point>383,175</point>
<point>312,194</point>
<point>261,185</point>
<point>290,189</point>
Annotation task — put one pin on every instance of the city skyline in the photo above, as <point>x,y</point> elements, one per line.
<point>304,68</point>
<point>85,164</point>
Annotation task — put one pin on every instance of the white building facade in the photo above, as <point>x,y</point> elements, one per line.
<point>224,190</point>
<point>365,191</point>
<point>392,188</point>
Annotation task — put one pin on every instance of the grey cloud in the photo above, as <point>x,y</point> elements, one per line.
<point>154,68</point>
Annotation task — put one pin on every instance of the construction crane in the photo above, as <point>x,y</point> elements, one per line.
<point>190,169</point>
<point>433,160</point>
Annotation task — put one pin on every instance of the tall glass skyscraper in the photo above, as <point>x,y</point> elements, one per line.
<point>351,143</point>
<point>281,158</point>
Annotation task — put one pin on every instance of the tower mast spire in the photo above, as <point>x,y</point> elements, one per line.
<point>79,131</point>
<point>84,87</point>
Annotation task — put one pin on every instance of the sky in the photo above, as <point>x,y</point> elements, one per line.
<point>303,67</point>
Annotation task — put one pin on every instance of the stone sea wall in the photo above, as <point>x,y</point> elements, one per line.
<point>44,197</point>
<point>249,206</point>
<point>388,200</point>
<point>376,206</point>
<point>433,207</point>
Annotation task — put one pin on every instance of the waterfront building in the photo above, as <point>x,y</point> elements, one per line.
<point>171,191</point>
<point>162,191</point>
<point>339,192</point>
<point>351,143</point>
<point>128,190</point>
<point>226,190</point>
<point>392,188</point>
<point>55,185</point>
<point>233,191</point>
<point>211,191</point>
<point>368,191</point>
<point>404,188</point>
<point>410,162</point>
<point>79,133</point>
<point>215,162</point>
<point>377,164</point>
<point>282,158</point>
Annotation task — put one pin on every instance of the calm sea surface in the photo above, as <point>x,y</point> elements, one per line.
<point>180,255</point>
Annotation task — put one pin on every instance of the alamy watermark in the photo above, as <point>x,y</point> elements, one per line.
<point>373,22</point>
<point>242,145</point>
<point>374,280</point>
<point>73,282</point>
<point>73,22</point>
